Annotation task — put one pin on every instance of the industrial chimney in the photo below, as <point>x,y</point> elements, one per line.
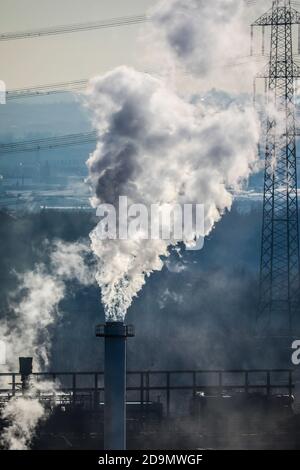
<point>115,334</point>
<point>25,369</point>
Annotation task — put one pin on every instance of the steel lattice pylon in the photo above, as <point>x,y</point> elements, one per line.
<point>279,271</point>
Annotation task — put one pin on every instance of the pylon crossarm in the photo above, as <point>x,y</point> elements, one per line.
<point>265,19</point>
<point>264,73</point>
<point>278,16</point>
<point>296,71</point>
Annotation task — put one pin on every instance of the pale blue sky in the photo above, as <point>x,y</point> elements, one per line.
<point>35,61</point>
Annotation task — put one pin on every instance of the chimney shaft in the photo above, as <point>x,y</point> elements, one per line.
<point>115,334</point>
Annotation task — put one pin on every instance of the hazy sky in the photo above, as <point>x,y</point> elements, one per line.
<point>36,61</point>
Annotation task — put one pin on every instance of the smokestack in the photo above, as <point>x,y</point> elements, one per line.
<point>25,369</point>
<point>115,334</point>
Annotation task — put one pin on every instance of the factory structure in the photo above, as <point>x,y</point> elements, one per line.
<point>116,408</point>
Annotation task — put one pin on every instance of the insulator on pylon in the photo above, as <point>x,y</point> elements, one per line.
<point>298,38</point>
<point>263,40</point>
<point>296,91</point>
<point>251,41</point>
<point>254,91</point>
<point>266,90</point>
<point>258,149</point>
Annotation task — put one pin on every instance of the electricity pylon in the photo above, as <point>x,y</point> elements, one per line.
<point>279,269</point>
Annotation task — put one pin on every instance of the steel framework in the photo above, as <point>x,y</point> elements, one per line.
<point>144,386</point>
<point>279,267</point>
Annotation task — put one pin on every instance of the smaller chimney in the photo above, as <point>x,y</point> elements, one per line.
<point>25,369</point>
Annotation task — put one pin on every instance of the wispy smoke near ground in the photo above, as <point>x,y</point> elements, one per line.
<point>28,334</point>
<point>24,413</point>
<point>35,307</point>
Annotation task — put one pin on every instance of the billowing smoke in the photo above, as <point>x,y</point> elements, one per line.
<point>156,148</point>
<point>72,261</point>
<point>24,413</point>
<point>201,34</point>
<point>35,307</point>
<point>201,44</point>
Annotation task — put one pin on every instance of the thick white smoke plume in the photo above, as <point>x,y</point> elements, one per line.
<point>35,308</point>
<point>156,148</point>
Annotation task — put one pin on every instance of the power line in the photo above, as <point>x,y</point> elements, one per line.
<point>42,90</point>
<point>58,141</point>
<point>48,143</point>
<point>72,28</point>
<point>76,85</point>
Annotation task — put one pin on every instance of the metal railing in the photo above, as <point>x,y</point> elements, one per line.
<point>143,384</point>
